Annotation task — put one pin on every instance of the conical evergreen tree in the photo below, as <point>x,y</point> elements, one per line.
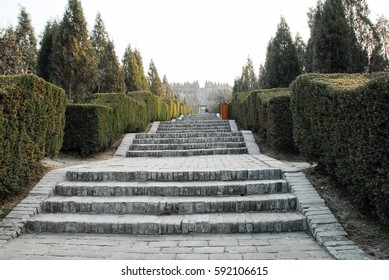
<point>26,42</point>
<point>300,48</point>
<point>154,81</point>
<point>74,65</point>
<point>138,57</point>
<point>10,56</point>
<point>167,92</point>
<point>109,79</point>
<point>247,80</point>
<point>333,45</point>
<point>44,66</point>
<point>132,76</point>
<point>282,62</point>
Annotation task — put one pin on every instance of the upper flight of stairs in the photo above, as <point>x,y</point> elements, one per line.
<point>191,136</point>
<point>147,196</point>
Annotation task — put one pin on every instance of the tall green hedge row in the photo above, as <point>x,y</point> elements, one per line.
<point>32,119</point>
<point>342,122</point>
<point>268,113</point>
<point>95,126</point>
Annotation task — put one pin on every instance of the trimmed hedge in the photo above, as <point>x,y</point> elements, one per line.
<point>95,126</point>
<point>268,113</point>
<point>342,122</point>
<point>32,118</point>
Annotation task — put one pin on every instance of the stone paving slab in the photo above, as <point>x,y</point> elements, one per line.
<point>296,245</point>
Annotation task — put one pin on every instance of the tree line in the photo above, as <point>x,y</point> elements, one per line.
<point>343,39</point>
<point>80,62</point>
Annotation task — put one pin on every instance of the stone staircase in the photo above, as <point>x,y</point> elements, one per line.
<point>191,136</point>
<point>169,191</point>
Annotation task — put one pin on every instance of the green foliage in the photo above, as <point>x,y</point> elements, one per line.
<point>134,77</point>
<point>32,118</point>
<point>26,42</point>
<point>73,59</point>
<point>268,113</point>
<point>144,86</point>
<point>334,46</point>
<point>109,78</point>
<point>44,66</point>
<point>95,126</point>
<point>342,122</point>
<point>247,81</point>
<point>282,60</point>
<point>154,81</point>
<point>18,51</point>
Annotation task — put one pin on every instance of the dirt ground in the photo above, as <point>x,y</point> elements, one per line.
<point>362,228</point>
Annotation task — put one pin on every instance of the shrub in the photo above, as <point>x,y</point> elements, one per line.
<point>342,122</point>
<point>95,126</point>
<point>89,128</point>
<point>32,117</point>
<point>268,113</point>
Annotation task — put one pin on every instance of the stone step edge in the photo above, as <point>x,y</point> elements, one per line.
<point>178,140</point>
<point>185,153</point>
<point>167,176</point>
<point>177,224</point>
<point>186,134</point>
<point>186,146</point>
<point>169,205</point>
<point>214,188</point>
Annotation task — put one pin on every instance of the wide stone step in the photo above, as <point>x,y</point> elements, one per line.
<point>186,146</point>
<point>156,205</point>
<point>212,189</point>
<point>186,153</point>
<point>169,224</point>
<point>188,140</point>
<point>182,130</point>
<point>186,135</point>
<point>197,124</point>
<point>115,174</point>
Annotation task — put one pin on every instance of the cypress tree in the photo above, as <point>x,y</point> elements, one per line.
<point>144,85</point>
<point>282,62</point>
<point>18,51</point>
<point>108,68</point>
<point>155,83</point>
<point>300,48</point>
<point>26,43</point>
<point>247,80</point>
<point>167,92</point>
<point>74,65</point>
<point>132,76</point>
<point>44,66</point>
<point>334,46</point>
<point>10,57</point>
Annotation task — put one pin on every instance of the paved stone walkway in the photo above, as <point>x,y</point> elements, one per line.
<point>271,246</point>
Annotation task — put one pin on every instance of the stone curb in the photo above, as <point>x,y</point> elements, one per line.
<point>126,142</point>
<point>154,127</point>
<point>321,222</point>
<point>14,223</point>
<point>252,147</point>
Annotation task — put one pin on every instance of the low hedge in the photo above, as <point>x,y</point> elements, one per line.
<point>268,113</point>
<point>342,122</point>
<point>32,118</point>
<point>95,126</point>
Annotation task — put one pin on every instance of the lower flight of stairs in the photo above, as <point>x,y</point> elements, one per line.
<point>177,200</point>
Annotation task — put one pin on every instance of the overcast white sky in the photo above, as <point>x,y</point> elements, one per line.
<point>187,39</point>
